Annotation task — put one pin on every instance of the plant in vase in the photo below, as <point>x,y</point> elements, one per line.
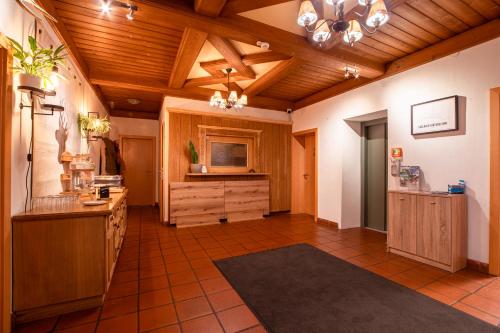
<point>37,66</point>
<point>195,166</point>
<point>91,126</point>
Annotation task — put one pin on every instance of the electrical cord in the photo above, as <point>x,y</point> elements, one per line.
<point>30,156</point>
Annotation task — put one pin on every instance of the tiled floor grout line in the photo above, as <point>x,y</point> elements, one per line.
<point>203,290</point>
<point>165,266</point>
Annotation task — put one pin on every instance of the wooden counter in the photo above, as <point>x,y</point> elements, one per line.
<point>428,194</point>
<point>63,260</point>
<point>76,211</point>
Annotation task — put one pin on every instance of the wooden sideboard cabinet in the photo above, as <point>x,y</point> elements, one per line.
<point>207,202</point>
<point>63,261</point>
<point>430,228</point>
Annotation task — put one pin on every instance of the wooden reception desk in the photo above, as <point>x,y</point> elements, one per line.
<point>209,202</point>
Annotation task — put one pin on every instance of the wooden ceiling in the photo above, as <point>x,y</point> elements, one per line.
<point>153,55</point>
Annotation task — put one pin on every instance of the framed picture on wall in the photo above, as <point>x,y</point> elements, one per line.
<point>439,115</point>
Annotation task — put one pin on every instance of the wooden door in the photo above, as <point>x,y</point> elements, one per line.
<point>434,228</point>
<point>402,226</point>
<point>304,174</point>
<point>494,259</point>
<point>138,155</point>
<point>309,175</point>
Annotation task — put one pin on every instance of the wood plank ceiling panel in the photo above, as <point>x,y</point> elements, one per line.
<point>147,47</point>
<point>149,102</point>
<point>306,80</point>
<point>112,44</point>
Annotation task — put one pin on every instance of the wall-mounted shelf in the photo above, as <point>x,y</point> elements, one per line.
<point>226,174</point>
<point>52,108</point>
<point>32,90</point>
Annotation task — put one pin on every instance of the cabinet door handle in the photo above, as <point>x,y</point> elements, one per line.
<point>402,199</point>
<point>432,203</point>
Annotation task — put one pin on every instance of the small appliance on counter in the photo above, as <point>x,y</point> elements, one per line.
<point>457,189</point>
<point>109,180</point>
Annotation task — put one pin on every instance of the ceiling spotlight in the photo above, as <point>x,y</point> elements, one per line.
<point>351,71</point>
<point>134,101</point>
<point>105,7</point>
<point>130,15</point>
<point>263,45</point>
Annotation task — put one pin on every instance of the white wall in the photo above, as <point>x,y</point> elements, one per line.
<point>444,160</point>
<point>137,127</point>
<point>74,94</point>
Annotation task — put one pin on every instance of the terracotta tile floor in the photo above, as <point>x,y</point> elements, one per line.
<point>165,280</point>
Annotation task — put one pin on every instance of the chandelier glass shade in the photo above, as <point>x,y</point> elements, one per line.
<point>232,101</point>
<point>322,29</point>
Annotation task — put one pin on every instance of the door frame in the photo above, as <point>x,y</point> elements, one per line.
<point>494,242</point>
<point>6,107</point>
<point>143,137</point>
<point>312,131</point>
<point>363,168</point>
<point>161,175</point>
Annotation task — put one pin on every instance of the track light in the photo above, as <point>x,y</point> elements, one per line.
<point>130,15</point>
<point>105,7</point>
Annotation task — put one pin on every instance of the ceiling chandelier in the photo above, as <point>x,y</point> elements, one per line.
<point>375,15</point>
<point>232,101</point>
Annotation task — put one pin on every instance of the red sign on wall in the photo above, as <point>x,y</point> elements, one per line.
<point>397,153</point>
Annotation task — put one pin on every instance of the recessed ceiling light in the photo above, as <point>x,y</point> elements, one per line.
<point>134,101</point>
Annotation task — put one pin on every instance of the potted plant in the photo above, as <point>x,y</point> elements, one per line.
<point>195,166</point>
<point>89,125</point>
<point>36,64</point>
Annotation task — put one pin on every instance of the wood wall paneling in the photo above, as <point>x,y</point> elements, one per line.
<point>274,152</point>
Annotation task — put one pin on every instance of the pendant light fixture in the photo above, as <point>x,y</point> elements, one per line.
<point>232,101</point>
<point>322,29</point>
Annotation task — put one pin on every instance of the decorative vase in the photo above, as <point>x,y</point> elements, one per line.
<point>29,80</point>
<point>196,168</point>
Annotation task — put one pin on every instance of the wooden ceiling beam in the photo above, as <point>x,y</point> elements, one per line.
<point>239,6</point>
<point>465,40</point>
<point>209,7</point>
<point>248,60</point>
<point>208,80</point>
<point>218,73</point>
<point>192,41</point>
<point>232,56</point>
<point>124,81</point>
<point>191,44</point>
<point>249,31</point>
<point>273,76</point>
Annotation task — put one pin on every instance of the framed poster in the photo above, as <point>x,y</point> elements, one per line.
<point>440,115</point>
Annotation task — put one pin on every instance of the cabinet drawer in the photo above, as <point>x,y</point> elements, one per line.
<point>401,222</point>
<point>434,228</point>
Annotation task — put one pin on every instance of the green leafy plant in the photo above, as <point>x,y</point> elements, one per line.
<point>193,153</point>
<point>37,61</point>
<point>96,125</point>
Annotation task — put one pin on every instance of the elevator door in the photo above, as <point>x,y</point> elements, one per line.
<point>375,179</point>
